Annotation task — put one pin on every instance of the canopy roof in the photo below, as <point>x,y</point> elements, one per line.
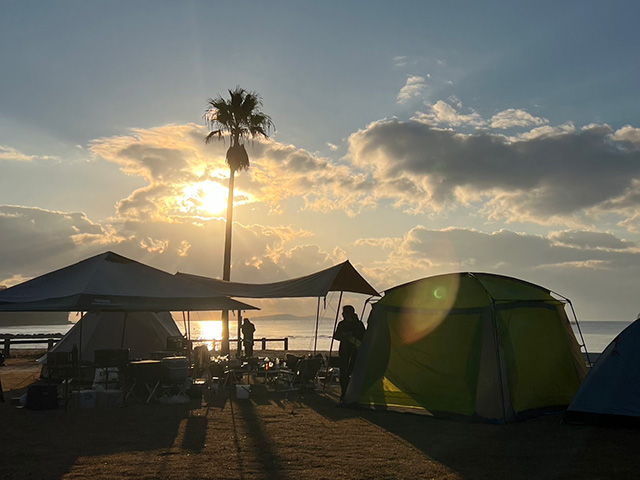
<point>339,278</point>
<point>111,282</point>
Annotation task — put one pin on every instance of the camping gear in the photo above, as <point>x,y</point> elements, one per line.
<point>111,282</point>
<point>339,278</point>
<point>472,346</point>
<point>610,395</point>
<point>42,397</point>
<point>139,332</point>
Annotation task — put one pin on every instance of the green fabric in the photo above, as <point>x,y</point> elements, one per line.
<point>429,339</point>
<point>437,371</point>
<point>539,357</point>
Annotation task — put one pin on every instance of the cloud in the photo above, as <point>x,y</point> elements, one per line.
<point>629,135</point>
<point>55,239</point>
<point>598,269</point>
<point>591,240</point>
<point>12,155</point>
<point>551,179</point>
<point>515,118</point>
<point>442,113</point>
<point>34,239</point>
<point>414,88</point>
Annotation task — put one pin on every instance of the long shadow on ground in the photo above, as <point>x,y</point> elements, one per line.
<point>45,444</point>
<point>537,448</point>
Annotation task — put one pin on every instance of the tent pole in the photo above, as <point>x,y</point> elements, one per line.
<point>315,341</point>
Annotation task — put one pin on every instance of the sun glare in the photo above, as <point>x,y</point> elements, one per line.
<point>206,197</point>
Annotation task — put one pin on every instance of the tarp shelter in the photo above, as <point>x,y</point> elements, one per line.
<point>139,332</point>
<point>339,278</point>
<point>111,282</point>
<point>473,346</point>
<point>610,395</point>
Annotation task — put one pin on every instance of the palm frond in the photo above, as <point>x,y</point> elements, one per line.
<point>241,117</point>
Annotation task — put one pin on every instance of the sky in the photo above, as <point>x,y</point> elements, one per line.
<point>412,138</point>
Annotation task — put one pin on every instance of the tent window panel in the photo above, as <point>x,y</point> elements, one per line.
<point>540,364</point>
<point>439,369</point>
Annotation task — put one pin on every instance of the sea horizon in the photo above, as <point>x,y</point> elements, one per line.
<point>301,331</point>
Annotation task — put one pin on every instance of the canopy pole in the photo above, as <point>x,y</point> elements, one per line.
<point>189,324</point>
<point>239,347</point>
<point>184,322</point>
<point>80,349</point>
<point>335,324</point>
<point>80,342</point>
<point>124,327</point>
<point>315,341</point>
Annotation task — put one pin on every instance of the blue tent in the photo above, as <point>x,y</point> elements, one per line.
<point>610,394</point>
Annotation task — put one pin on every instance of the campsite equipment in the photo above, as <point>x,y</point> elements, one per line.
<point>139,332</point>
<point>610,395</point>
<point>42,397</point>
<point>472,346</point>
<point>111,282</point>
<point>339,278</point>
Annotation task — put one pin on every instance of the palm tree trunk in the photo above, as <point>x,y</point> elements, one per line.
<point>226,267</point>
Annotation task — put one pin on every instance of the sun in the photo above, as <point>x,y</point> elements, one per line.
<point>206,197</point>
<point>214,197</point>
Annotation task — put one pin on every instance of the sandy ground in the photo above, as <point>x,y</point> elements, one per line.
<point>291,436</point>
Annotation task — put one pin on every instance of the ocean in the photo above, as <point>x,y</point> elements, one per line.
<point>301,332</point>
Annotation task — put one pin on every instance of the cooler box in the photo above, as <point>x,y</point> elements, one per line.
<point>87,398</point>
<point>109,398</point>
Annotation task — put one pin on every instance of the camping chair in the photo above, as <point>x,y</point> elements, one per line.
<point>330,372</point>
<point>303,379</point>
<point>147,376</point>
<point>175,376</point>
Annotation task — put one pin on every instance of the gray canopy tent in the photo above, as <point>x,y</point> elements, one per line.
<point>112,283</point>
<point>339,278</point>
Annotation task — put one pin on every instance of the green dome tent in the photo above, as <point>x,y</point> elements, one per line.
<point>476,346</point>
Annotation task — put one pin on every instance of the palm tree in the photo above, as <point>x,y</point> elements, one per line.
<point>241,118</point>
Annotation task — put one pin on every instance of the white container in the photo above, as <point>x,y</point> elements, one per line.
<point>109,398</point>
<point>87,398</point>
<point>242,391</point>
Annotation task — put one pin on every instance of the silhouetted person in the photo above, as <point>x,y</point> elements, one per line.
<point>349,333</point>
<point>248,329</point>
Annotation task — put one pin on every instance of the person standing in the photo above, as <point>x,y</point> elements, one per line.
<point>248,330</point>
<point>349,333</point>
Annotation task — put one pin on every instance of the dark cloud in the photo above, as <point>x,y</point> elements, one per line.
<point>560,174</point>
<point>34,239</point>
